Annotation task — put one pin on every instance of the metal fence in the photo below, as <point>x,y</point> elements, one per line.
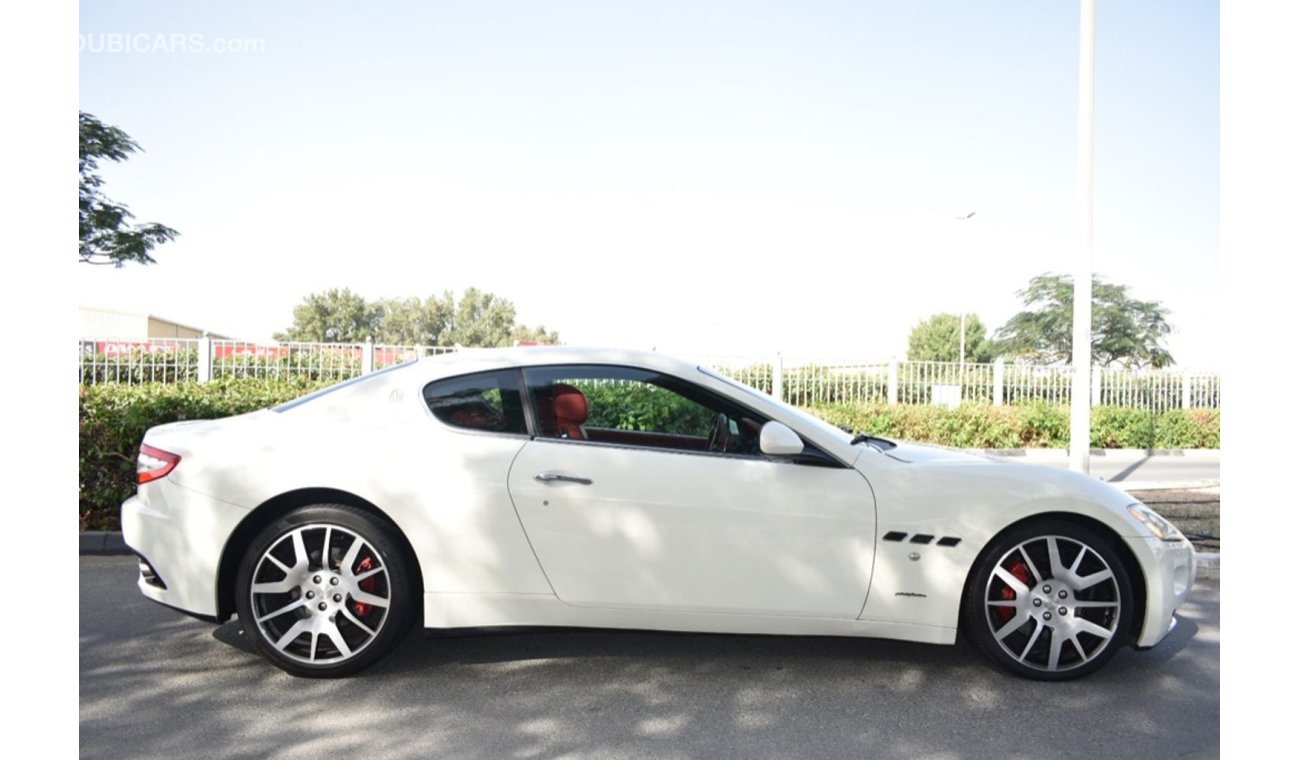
<point>158,360</point>
<point>805,381</point>
<point>177,360</point>
<point>802,381</point>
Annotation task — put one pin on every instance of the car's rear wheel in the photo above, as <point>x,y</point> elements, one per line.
<point>1049,601</point>
<point>325,591</point>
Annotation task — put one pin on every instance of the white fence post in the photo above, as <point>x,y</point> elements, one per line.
<point>893,381</point>
<point>367,357</point>
<point>778,377</point>
<point>999,370</point>
<point>205,359</point>
<point>1187,390</point>
<point>1096,386</point>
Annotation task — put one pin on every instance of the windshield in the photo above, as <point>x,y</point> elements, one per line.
<point>803,416</point>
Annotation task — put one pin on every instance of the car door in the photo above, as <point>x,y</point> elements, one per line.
<point>658,498</point>
<point>466,531</point>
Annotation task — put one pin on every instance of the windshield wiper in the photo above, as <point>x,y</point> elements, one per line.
<point>880,444</point>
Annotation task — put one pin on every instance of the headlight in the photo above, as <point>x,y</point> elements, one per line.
<point>1159,526</point>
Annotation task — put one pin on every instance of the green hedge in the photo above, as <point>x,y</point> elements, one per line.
<point>641,406</point>
<point>1031,426</point>
<point>115,417</point>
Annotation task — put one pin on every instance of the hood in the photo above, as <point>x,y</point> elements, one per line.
<point>917,452</point>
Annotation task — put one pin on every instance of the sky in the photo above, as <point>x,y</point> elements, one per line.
<point>703,178</point>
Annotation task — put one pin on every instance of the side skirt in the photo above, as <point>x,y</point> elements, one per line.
<point>449,611</point>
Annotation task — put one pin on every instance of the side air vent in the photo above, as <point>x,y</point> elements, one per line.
<point>895,535</point>
<point>922,538</point>
<point>949,541</point>
<point>149,575</point>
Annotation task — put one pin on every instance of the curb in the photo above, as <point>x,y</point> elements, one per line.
<point>1063,453</point>
<point>105,542</point>
<point>1162,485</point>
<point>1207,565</point>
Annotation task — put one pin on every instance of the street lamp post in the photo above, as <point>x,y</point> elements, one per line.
<point>961,351</point>
<point>1081,348</point>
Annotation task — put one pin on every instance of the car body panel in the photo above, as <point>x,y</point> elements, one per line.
<point>661,540</point>
<point>970,500</point>
<point>687,531</point>
<point>506,610</point>
<point>1170,570</point>
<point>180,532</point>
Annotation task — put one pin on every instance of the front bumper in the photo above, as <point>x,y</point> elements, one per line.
<point>180,533</point>
<point>1170,570</point>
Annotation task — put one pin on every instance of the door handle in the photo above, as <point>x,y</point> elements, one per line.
<point>551,477</point>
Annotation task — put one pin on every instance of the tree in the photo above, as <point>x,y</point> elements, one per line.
<point>537,335</point>
<point>481,319</point>
<point>1125,331</point>
<point>478,319</point>
<point>107,236</point>
<point>484,319</point>
<point>412,322</point>
<point>335,316</point>
<point>938,339</point>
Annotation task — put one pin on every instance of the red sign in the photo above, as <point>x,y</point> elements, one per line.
<point>118,347</point>
<point>241,350</point>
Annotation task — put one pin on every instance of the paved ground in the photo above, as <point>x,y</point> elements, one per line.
<point>157,684</point>
<point>1136,466</point>
<point>1194,511</point>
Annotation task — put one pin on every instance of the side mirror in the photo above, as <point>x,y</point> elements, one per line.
<point>778,440</point>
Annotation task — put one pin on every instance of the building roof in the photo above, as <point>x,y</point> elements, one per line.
<point>154,317</point>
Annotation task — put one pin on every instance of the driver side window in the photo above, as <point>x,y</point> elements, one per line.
<point>634,407</point>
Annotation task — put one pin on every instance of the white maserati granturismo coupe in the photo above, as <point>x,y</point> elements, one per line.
<point>617,489</point>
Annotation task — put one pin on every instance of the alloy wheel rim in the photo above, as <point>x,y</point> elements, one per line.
<point>1052,603</point>
<point>320,594</point>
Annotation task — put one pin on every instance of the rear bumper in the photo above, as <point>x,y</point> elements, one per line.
<point>180,533</point>
<point>1170,570</point>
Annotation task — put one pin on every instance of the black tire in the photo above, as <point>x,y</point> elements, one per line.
<point>1088,582</point>
<point>319,610</point>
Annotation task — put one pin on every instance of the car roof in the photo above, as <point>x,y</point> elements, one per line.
<point>477,359</point>
<point>465,361</point>
<point>381,384</point>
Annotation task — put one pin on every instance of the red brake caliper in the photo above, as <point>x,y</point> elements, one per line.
<point>1021,572</point>
<point>368,585</point>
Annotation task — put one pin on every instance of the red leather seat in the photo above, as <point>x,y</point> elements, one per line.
<point>478,415</point>
<point>570,411</point>
<point>545,414</point>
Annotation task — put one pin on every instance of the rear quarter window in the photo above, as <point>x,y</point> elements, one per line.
<point>486,401</point>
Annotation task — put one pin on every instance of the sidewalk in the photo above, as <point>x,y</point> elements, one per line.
<point>1131,469</point>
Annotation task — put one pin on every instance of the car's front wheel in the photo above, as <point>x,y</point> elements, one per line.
<point>325,591</point>
<point>1050,601</point>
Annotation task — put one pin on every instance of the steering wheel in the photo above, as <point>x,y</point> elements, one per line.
<point>720,433</point>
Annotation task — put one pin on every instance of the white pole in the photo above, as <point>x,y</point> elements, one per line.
<point>205,359</point>
<point>1081,353</point>
<point>962,351</point>
<point>961,361</point>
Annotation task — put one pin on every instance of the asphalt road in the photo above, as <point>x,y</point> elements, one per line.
<point>154,683</point>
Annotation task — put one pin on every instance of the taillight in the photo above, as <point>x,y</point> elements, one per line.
<point>154,463</point>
